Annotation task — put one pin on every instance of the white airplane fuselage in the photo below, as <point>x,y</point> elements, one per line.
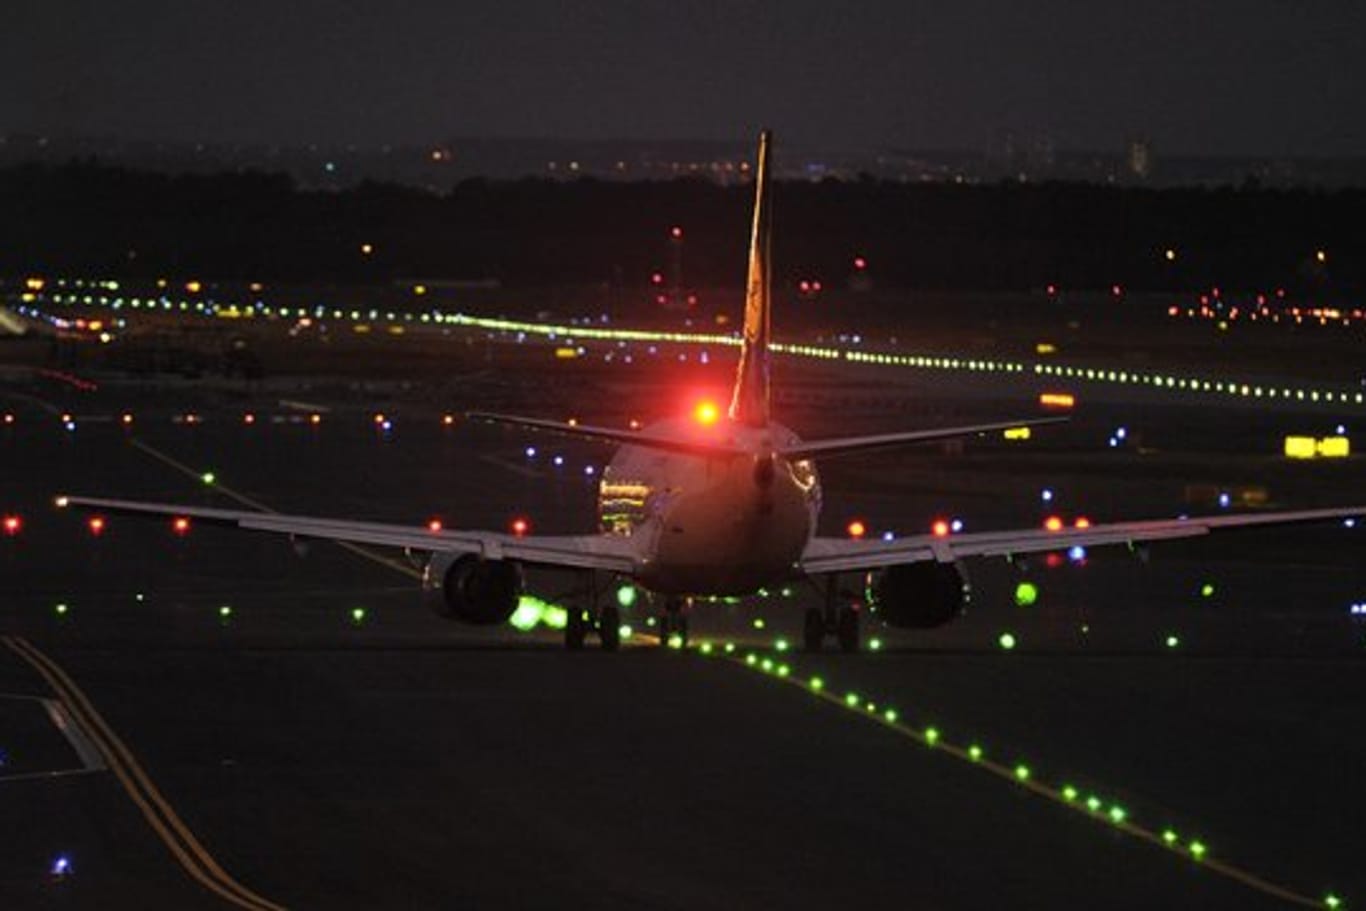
<point>712,524</point>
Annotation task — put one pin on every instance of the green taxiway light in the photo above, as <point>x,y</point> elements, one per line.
<point>626,595</point>
<point>704,648</point>
<point>1006,641</point>
<point>61,609</point>
<point>624,631</point>
<point>975,753</point>
<point>781,645</point>
<point>1173,641</point>
<point>554,617</point>
<point>766,664</point>
<point>1207,590</point>
<point>1197,849</point>
<point>759,623</point>
<point>784,670</point>
<point>1332,901</point>
<point>1026,593</point>
<point>750,659</point>
<point>1118,814</point>
<point>1022,772</point>
<point>1069,793</point>
<point>357,614</point>
<point>817,683</point>
<point>207,477</point>
<point>931,736</point>
<point>225,611</point>
<point>1093,804</point>
<point>851,700</point>
<point>526,616</point>
<point>890,716</point>
<point>1169,837</point>
<point>874,644</point>
<point>675,641</point>
<point>730,647</point>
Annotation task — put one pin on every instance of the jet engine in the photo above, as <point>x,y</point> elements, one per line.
<point>918,595</point>
<point>471,589</point>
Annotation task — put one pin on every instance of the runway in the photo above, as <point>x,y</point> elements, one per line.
<point>329,744</point>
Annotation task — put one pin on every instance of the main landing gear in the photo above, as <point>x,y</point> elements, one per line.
<point>673,622</point>
<point>842,622</point>
<point>605,621</point>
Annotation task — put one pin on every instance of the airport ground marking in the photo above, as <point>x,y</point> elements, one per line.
<point>1072,797</point>
<point>191,854</point>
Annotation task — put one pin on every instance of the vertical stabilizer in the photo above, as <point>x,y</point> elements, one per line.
<point>749,403</point>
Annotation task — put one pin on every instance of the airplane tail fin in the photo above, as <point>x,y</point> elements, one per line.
<point>749,402</point>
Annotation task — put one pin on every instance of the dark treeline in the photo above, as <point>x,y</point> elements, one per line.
<point>91,220</point>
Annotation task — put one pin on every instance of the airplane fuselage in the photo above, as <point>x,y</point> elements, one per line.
<point>713,524</point>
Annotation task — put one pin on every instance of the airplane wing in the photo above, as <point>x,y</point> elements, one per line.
<point>847,445</point>
<point>605,552</point>
<point>826,555</point>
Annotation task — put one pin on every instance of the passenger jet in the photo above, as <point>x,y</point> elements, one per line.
<point>694,509</point>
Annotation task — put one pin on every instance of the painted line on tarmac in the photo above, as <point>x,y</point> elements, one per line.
<point>247,501</point>
<point>1072,798</point>
<point>193,857</point>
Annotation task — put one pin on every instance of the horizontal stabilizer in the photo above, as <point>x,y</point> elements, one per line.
<point>612,435</point>
<point>849,445</point>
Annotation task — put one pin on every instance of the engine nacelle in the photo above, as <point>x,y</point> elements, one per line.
<point>471,589</point>
<point>918,595</point>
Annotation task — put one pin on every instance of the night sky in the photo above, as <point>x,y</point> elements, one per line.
<point>1202,76</point>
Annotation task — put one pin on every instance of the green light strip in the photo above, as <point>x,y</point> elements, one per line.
<point>1206,386</point>
<point>1112,814</point>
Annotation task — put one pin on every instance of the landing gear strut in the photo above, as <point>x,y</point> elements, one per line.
<point>673,622</point>
<point>841,622</point>
<point>605,621</point>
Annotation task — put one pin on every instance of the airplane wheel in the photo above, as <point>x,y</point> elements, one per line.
<point>664,625</point>
<point>813,629</point>
<point>846,630</point>
<point>609,629</point>
<point>575,630</point>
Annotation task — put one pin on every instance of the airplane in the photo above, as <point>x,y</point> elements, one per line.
<point>714,505</point>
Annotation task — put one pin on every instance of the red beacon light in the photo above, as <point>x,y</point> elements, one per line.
<point>127,419</point>
<point>248,419</point>
<point>434,526</point>
<point>1053,523</point>
<point>13,525</point>
<point>181,525</point>
<point>520,526</point>
<point>706,413</point>
<point>857,529</point>
<point>96,525</point>
<point>940,528</point>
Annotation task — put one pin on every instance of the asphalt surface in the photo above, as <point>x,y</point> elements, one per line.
<point>325,758</point>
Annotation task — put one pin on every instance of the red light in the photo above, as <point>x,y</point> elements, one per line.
<point>1053,523</point>
<point>706,413</point>
<point>315,419</point>
<point>860,262</point>
<point>13,525</point>
<point>656,278</point>
<point>96,524</point>
<point>434,525</point>
<point>520,527</point>
<point>1082,522</point>
<point>676,232</point>
<point>66,417</point>
<point>1116,290</point>
<point>940,528</point>
<point>180,525</point>
<point>248,418</point>
<point>1052,290</point>
<point>379,417</point>
<point>127,419</point>
<point>857,529</point>
<point>1052,560</point>
<point>9,418</point>
<point>448,419</point>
